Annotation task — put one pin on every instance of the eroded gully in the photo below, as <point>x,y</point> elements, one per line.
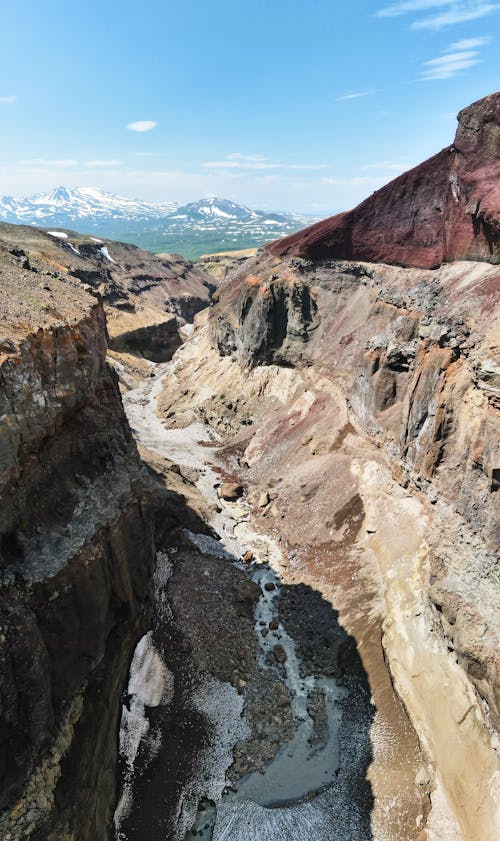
<point>313,787</point>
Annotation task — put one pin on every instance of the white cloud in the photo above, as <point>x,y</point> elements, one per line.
<point>462,13</point>
<point>443,12</point>
<point>142,125</point>
<point>62,164</point>
<point>448,65</point>
<point>236,161</point>
<point>398,9</point>
<point>8,100</point>
<point>468,44</point>
<point>99,163</point>
<point>347,96</point>
<point>237,156</point>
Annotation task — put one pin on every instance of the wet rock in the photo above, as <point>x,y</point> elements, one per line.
<point>247,593</point>
<point>273,625</point>
<point>269,586</point>
<point>280,654</point>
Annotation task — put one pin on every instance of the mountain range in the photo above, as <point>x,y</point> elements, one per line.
<point>205,226</point>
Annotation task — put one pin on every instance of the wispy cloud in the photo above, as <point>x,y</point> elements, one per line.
<point>237,161</point>
<point>142,125</point>
<point>8,100</point>
<point>463,13</point>
<point>455,59</point>
<point>404,8</point>
<point>99,163</point>
<point>57,164</point>
<point>469,43</point>
<point>439,14</point>
<point>356,95</point>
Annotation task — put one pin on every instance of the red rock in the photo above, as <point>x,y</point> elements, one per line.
<point>448,208</point>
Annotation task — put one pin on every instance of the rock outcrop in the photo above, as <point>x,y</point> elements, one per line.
<point>146,297</point>
<point>76,553</point>
<point>361,406</point>
<point>362,402</point>
<point>445,209</point>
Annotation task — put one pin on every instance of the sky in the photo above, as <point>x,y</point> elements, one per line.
<point>301,105</point>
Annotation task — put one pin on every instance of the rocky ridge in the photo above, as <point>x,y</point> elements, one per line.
<point>445,209</point>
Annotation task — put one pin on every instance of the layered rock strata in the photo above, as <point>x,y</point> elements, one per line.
<point>361,405</point>
<point>76,551</point>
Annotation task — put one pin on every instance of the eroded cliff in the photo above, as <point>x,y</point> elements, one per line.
<point>75,563</point>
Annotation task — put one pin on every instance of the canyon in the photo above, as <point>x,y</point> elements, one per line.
<point>249,526</point>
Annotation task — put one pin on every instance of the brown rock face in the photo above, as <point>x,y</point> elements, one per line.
<point>76,552</point>
<point>448,208</point>
<point>373,392</point>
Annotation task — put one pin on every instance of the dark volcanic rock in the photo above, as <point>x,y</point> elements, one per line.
<point>448,208</point>
<point>76,554</point>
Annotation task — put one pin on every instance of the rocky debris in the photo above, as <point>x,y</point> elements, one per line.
<point>447,208</point>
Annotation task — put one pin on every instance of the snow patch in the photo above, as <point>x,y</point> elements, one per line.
<point>57,234</point>
<point>105,253</point>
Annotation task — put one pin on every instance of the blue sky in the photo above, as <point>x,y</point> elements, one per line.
<point>305,106</point>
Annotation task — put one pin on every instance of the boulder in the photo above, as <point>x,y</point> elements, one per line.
<point>230,491</point>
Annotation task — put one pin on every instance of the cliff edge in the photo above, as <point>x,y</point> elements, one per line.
<point>445,209</point>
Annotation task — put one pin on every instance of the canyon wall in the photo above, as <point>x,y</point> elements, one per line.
<point>362,403</point>
<point>76,538</point>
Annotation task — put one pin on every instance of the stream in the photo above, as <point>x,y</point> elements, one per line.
<point>302,794</point>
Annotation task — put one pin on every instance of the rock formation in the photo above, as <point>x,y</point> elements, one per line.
<point>445,209</point>
<point>146,297</point>
<point>77,521</point>
<point>363,403</point>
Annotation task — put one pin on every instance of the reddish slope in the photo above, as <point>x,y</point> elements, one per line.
<point>448,208</point>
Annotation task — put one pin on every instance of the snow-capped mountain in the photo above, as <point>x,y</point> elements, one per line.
<point>213,208</point>
<point>204,226</point>
<point>63,206</point>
